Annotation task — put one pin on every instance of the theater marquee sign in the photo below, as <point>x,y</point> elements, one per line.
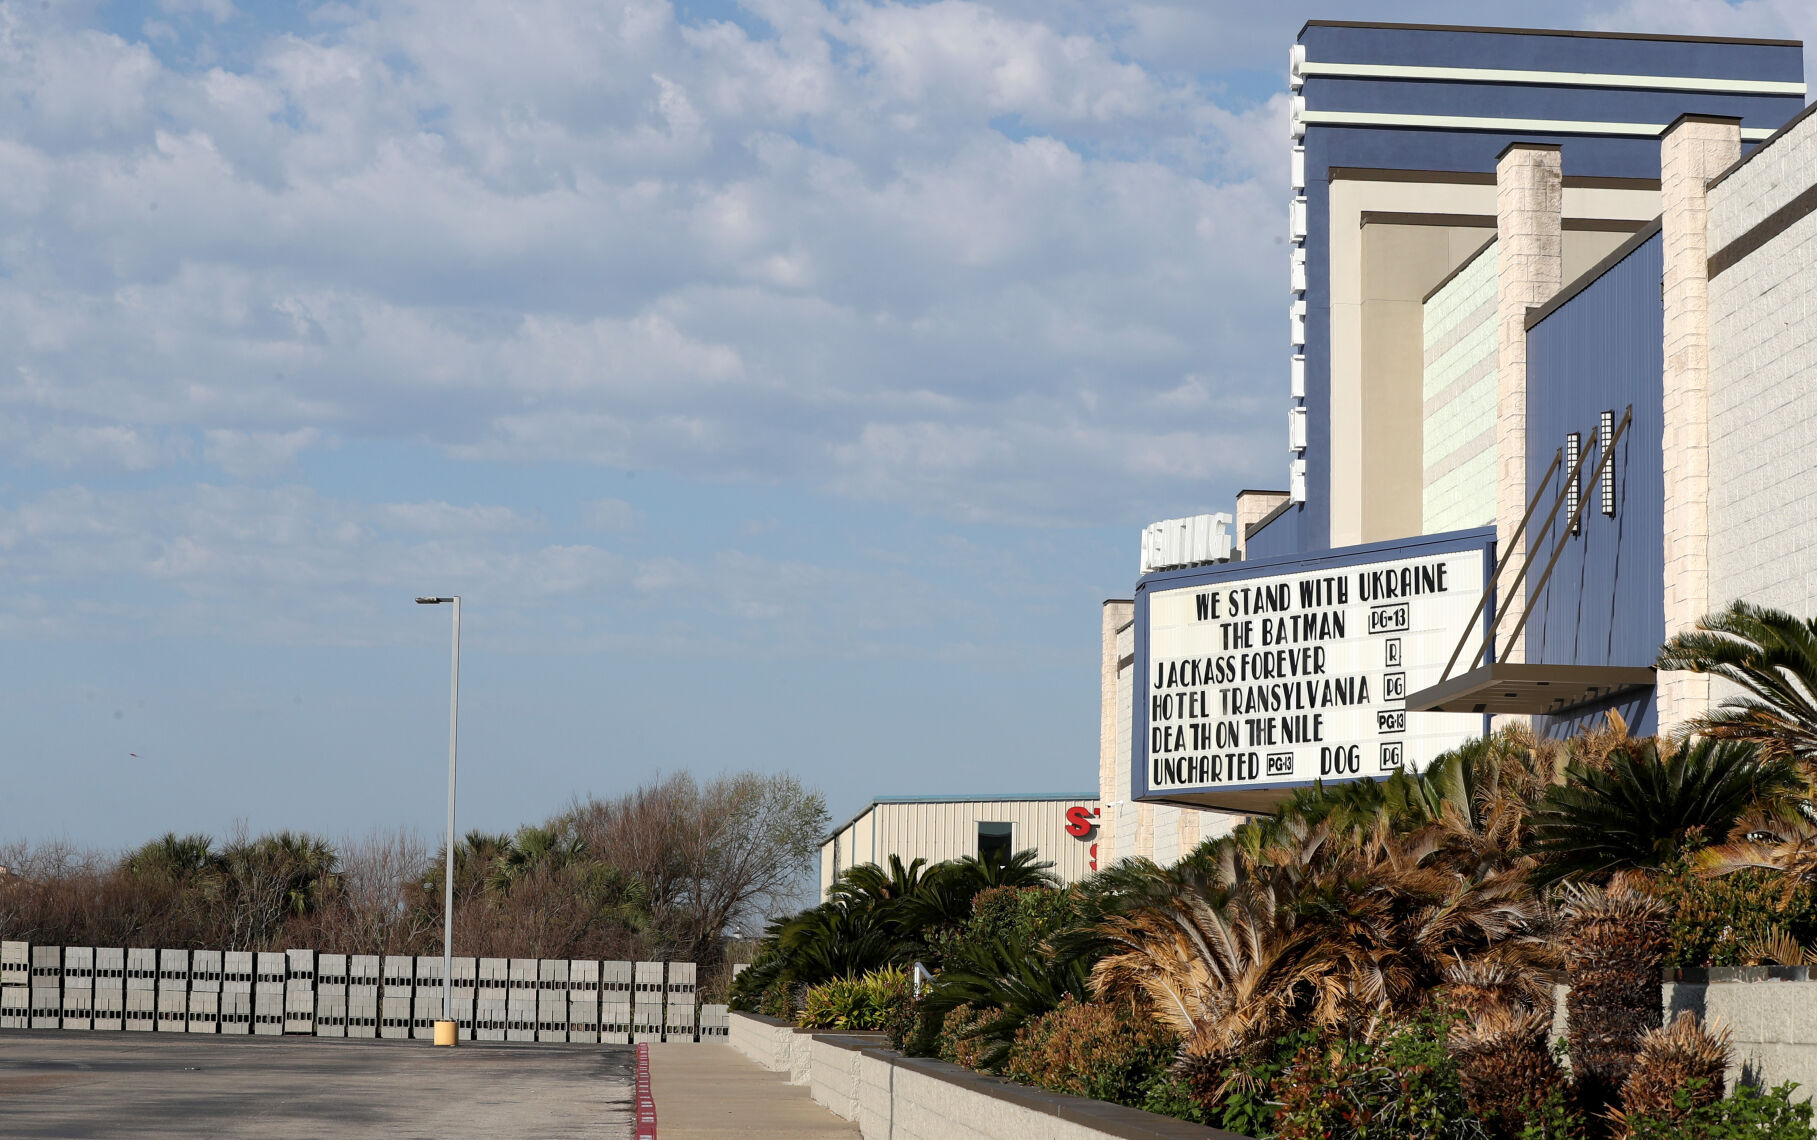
<point>1258,678</point>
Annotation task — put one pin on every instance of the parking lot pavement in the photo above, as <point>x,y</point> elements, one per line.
<point>76,1084</point>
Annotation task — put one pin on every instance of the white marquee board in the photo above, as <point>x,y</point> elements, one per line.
<point>1283,679</point>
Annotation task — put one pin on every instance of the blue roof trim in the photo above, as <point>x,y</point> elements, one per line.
<point>991,799</point>
<point>1560,51</point>
<point>1338,556</point>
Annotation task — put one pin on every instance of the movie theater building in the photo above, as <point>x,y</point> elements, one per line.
<point>1551,396</point>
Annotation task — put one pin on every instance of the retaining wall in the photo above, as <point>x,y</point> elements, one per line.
<point>1772,1011</point>
<point>913,1098</point>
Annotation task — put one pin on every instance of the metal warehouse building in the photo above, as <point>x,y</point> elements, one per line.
<point>1550,398</point>
<point>1061,829</point>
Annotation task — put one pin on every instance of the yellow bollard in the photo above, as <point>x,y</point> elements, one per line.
<point>444,1032</point>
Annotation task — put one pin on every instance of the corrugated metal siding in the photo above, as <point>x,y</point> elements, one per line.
<point>845,850</point>
<point>941,831</point>
<point>864,840</point>
<point>1602,350</point>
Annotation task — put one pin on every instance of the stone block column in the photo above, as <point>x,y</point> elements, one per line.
<point>1252,508</point>
<point>1693,150</point>
<point>1529,253</point>
<point>1117,613</point>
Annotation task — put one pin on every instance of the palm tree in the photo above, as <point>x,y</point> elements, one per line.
<point>535,849</point>
<point>1643,809</point>
<point>474,859</point>
<point>1783,842</point>
<point>180,858</point>
<point>1023,869</point>
<point>1505,1065</point>
<point>1772,657</point>
<point>274,878</point>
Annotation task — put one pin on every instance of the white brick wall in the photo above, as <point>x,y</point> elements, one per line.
<point>1763,387</point>
<point>1459,391</point>
<point>1125,828</point>
<point>1767,181</point>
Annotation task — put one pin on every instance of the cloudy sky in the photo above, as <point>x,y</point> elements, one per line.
<point>783,384</point>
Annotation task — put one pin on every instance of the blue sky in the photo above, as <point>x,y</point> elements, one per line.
<point>783,384</point>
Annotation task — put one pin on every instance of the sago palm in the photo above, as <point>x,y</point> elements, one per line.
<point>1313,929</point>
<point>943,896</point>
<point>1616,941</point>
<point>1505,1065</point>
<point>1642,809</point>
<point>1772,657</point>
<point>868,883</point>
<point>1018,983</point>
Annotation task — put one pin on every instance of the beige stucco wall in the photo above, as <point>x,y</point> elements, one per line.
<point>1380,274</point>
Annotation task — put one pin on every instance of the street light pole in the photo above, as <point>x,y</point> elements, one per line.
<point>454,720</point>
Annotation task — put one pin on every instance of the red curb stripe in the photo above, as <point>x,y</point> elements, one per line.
<point>646,1104</point>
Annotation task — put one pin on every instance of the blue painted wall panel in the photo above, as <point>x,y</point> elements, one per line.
<point>1604,604</point>
<point>1524,101</point>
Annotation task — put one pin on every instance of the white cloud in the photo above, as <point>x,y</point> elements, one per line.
<point>248,454</point>
<point>610,515</point>
<point>1008,261</point>
<point>66,446</point>
<point>593,233</point>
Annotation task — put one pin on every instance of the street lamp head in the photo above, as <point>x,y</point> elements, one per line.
<point>432,601</point>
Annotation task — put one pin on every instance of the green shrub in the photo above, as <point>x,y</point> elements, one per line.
<point>778,999</point>
<point>1716,920</point>
<point>1746,1115</point>
<point>1017,916</point>
<point>761,988</point>
<point>1169,1094</point>
<point>1025,914</point>
<point>913,1026</point>
<point>1556,1119</point>
<point>1241,1098</point>
<point>1106,1052</point>
<point>958,1042</point>
<point>1404,1086</point>
<point>860,1004</point>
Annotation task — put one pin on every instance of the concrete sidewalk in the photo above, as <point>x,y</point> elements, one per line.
<point>711,1090</point>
